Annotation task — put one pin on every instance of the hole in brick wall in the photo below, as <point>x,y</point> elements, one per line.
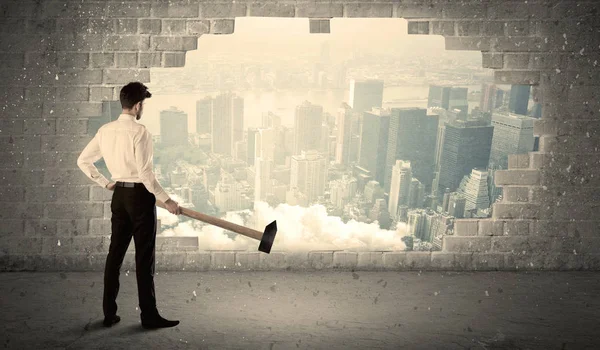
<point>279,79</point>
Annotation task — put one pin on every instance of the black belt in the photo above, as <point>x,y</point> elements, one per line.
<point>129,184</point>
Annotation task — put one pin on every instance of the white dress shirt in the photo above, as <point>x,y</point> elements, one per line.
<point>126,147</point>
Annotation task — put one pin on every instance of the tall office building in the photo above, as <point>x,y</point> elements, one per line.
<point>412,137</point>
<point>265,143</point>
<point>344,134</point>
<point>309,174</point>
<point>456,205</point>
<point>372,191</point>
<point>519,99</point>
<point>342,191</point>
<point>173,127</point>
<point>416,223</point>
<point>475,189</point>
<point>400,186</point>
<point>513,134</point>
<point>251,152</point>
<point>229,194</point>
<point>467,145</point>
<point>488,97</point>
<point>448,97</point>
<point>271,120</point>
<point>493,190</point>
<point>416,194</point>
<point>262,179</point>
<point>365,94</point>
<point>374,142</point>
<point>204,115</point>
<point>380,213</point>
<point>500,96</point>
<point>227,123</point>
<point>308,121</point>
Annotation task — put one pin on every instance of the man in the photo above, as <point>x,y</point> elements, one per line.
<point>126,147</point>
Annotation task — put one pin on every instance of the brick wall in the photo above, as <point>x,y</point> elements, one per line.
<point>61,59</point>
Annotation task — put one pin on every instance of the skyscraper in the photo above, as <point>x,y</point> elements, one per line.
<point>251,153</point>
<point>416,194</point>
<point>412,136</point>
<point>173,127</point>
<point>204,115</point>
<point>448,97</point>
<point>227,123</point>
<point>309,174</point>
<point>262,179</point>
<point>308,128</point>
<point>400,186</point>
<point>365,94</point>
<point>342,191</point>
<point>344,134</point>
<point>467,145</point>
<point>488,97</point>
<point>513,134</point>
<point>475,189</point>
<point>456,205</point>
<point>374,142</point>
<point>519,99</point>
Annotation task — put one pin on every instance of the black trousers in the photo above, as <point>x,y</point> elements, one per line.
<point>133,214</point>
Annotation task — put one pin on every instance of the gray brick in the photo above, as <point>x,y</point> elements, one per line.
<point>72,93</point>
<point>100,194</point>
<point>418,27</point>
<point>520,44</point>
<point>72,227</point>
<point>517,177</point>
<point>39,95</point>
<point>174,43</point>
<point>78,77</point>
<point>516,227</point>
<point>128,9</point>
<point>20,210</point>
<point>490,227</point>
<point>21,177</point>
<point>72,109</point>
<point>493,28</point>
<point>517,9</point>
<point>469,28</point>
<point>126,59</point>
<point>466,227</point>
<point>124,76</point>
<point>41,194</point>
<point>320,259</point>
<point>12,160</point>
<point>517,77</point>
<point>272,9</point>
<point>10,25</point>
<point>149,26</point>
<point>393,260</point>
<point>466,244</point>
<point>73,127</point>
<point>76,244</point>
<point>198,261</point>
<point>126,26</point>
<point>71,210</point>
<point>39,126</point>
<point>247,260</point>
<point>40,227</point>
<point>222,259</point>
<point>176,243</point>
<point>516,60</point>
<point>467,43</point>
<point>150,59</point>
<point>12,227</point>
<point>100,227</point>
<point>50,160</point>
<point>12,60</point>
<point>100,93</point>
<point>516,211</point>
<point>66,177</point>
<point>451,261</point>
<point>418,260</point>
<point>102,60</point>
<point>130,42</point>
<point>70,25</point>
<point>518,161</point>
<point>171,261</point>
<point>174,59</point>
<point>21,143</point>
<point>79,42</point>
<point>516,194</point>
<point>173,26</point>
<point>464,10</point>
<point>370,260</point>
<point>368,10</point>
<point>520,244</point>
<point>445,28</point>
<point>274,260</point>
<point>12,194</point>
<point>318,10</point>
<point>175,9</point>
<point>222,10</point>
<point>488,261</point>
<point>222,26</point>
<point>20,245</point>
<point>517,28</point>
<point>345,259</point>
<point>102,26</point>
<point>419,10</point>
<point>197,27</point>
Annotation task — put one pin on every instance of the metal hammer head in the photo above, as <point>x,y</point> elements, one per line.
<point>268,237</point>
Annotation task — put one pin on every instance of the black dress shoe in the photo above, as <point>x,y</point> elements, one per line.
<point>109,321</point>
<point>158,322</point>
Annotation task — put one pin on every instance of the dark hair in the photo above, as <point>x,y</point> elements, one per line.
<point>133,93</point>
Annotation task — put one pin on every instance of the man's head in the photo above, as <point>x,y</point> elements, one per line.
<point>132,98</point>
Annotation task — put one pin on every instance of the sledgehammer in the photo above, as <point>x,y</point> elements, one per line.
<point>266,238</point>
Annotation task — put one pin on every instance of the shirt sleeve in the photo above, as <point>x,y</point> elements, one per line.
<point>144,159</point>
<point>91,154</point>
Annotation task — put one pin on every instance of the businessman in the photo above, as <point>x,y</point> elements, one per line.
<point>126,147</point>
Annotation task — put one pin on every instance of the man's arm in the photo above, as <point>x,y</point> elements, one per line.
<point>91,154</point>
<point>143,157</point>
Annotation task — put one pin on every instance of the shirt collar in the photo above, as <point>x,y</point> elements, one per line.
<point>124,116</point>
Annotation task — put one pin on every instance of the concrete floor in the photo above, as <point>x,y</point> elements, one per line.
<point>309,310</point>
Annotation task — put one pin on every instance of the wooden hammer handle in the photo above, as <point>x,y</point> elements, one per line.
<point>217,222</point>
